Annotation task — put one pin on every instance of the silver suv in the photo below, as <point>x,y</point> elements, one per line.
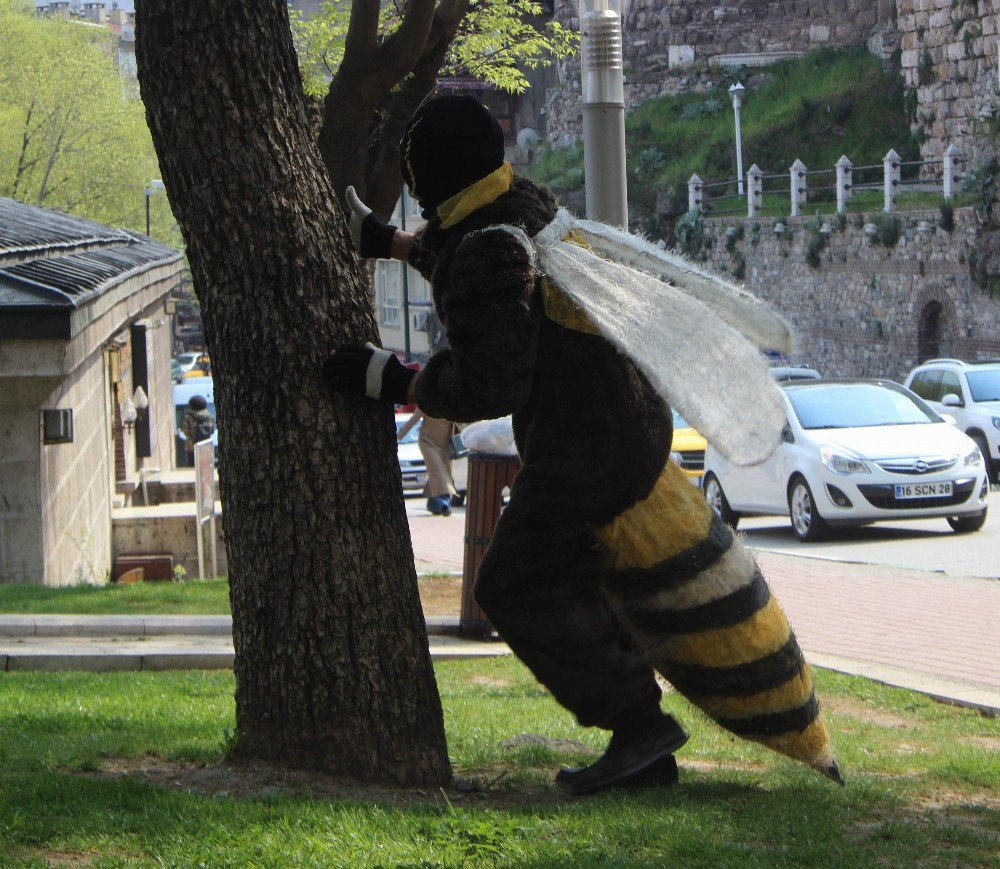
<point>969,392</point>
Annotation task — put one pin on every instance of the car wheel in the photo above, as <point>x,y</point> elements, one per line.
<point>807,524</point>
<point>717,501</point>
<point>984,448</point>
<point>967,524</point>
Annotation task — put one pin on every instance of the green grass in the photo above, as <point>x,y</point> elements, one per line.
<point>815,109</point>
<point>192,597</point>
<point>919,779</point>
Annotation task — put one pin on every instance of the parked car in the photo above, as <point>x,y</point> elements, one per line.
<point>794,372</point>
<point>855,452</point>
<point>687,448</point>
<point>970,393</point>
<point>411,462</point>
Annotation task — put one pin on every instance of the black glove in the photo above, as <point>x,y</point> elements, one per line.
<point>372,238</point>
<point>368,371</point>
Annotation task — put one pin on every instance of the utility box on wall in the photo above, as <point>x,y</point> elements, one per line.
<point>57,426</point>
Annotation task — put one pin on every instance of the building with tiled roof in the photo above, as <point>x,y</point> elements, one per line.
<point>85,332</point>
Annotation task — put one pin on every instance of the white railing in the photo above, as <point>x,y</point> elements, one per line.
<point>715,198</point>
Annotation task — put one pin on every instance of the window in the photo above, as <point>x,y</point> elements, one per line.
<point>950,384</point>
<point>417,288</point>
<point>856,405</point>
<point>927,384</point>
<point>388,283</point>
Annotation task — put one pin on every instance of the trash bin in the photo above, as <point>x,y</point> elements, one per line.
<point>489,475</point>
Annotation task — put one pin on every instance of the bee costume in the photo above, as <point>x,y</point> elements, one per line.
<point>607,564</point>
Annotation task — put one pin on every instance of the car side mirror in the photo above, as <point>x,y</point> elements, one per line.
<point>952,400</point>
<point>948,418</point>
<point>786,435</point>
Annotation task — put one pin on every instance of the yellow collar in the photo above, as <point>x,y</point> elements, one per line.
<point>475,196</point>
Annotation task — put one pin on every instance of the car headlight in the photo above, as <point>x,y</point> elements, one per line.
<point>974,459</point>
<point>838,461</point>
<point>996,422</point>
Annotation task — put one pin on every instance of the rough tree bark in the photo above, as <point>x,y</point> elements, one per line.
<point>332,665</point>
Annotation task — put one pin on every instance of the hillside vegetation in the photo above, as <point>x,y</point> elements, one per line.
<point>814,109</point>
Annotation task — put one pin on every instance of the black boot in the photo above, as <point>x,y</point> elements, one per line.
<point>638,749</point>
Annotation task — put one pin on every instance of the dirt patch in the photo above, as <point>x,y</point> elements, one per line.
<point>987,743</point>
<point>441,595</point>
<point>261,781</point>
<point>489,682</point>
<point>715,766</point>
<point>869,714</point>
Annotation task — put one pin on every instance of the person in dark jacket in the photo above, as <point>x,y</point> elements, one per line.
<point>197,425</point>
<point>576,580</point>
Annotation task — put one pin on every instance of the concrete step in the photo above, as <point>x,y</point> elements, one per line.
<point>45,625</point>
<point>168,652</point>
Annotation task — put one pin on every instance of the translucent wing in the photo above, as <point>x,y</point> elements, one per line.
<point>739,308</point>
<point>699,362</point>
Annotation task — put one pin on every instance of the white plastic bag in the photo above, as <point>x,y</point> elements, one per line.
<point>493,436</point>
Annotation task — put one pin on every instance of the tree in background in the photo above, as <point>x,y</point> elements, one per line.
<point>374,65</point>
<point>70,137</point>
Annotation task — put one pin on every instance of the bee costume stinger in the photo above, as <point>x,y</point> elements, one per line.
<point>606,565</point>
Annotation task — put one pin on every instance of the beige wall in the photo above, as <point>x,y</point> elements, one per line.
<point>20,493</point>
<point>56,500</point>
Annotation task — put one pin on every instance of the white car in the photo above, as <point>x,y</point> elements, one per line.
<point>411,461</point>
<point>970,393</point>
<point>855,452</point>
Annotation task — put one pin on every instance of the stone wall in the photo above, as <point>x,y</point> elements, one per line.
<point>949,58</point>
<point>860,312</point>
<point>669,45</point>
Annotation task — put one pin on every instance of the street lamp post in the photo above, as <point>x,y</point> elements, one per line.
<point>154,186</point>
<point>736,95</point>
<point>603,77</point>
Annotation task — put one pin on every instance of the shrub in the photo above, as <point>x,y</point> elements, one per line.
<point>946,220</point>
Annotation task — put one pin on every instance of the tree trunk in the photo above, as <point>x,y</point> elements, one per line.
<point>332,665</point>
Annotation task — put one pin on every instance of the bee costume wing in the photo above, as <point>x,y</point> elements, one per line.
<point>691,336</point>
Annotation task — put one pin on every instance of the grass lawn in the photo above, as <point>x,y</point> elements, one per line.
<point>125,768</point>
<point>192,597</point>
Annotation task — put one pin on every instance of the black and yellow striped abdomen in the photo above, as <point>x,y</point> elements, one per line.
<point>699,607</point>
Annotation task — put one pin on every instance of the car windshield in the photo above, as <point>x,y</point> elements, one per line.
<point>857,405</point>
<point>984,385</point>
<point>411,436</point>
<point>679,421</point>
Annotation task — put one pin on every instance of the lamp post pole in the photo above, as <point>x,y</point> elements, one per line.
<point>736,95</point>
<point>152,187</point>
<point>603,90</point>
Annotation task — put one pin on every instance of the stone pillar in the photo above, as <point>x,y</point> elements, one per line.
<point>798,182</point>
<point>844,177</point>
<point>694,193</point>
<point>952,157</point>
<point>891,174</point>
<point>755,190</point>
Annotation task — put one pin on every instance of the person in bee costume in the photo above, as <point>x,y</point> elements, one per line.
<point>606,565</point>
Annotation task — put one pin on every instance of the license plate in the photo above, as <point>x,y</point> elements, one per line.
<point>923,490</point>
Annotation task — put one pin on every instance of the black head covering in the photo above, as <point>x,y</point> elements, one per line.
<point>449,143</point>
<point>197,402</point>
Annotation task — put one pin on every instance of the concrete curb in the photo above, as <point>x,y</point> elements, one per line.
<point>114,626</point>
<point>955,692</point>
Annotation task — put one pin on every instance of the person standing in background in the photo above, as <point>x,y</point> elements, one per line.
<point>434,441</point>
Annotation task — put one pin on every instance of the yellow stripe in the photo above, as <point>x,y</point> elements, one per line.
<point>812,745</point>
<point>764,633</point>
<point>672,519</point>
<point>792,694</point>
<point>475,196</point>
